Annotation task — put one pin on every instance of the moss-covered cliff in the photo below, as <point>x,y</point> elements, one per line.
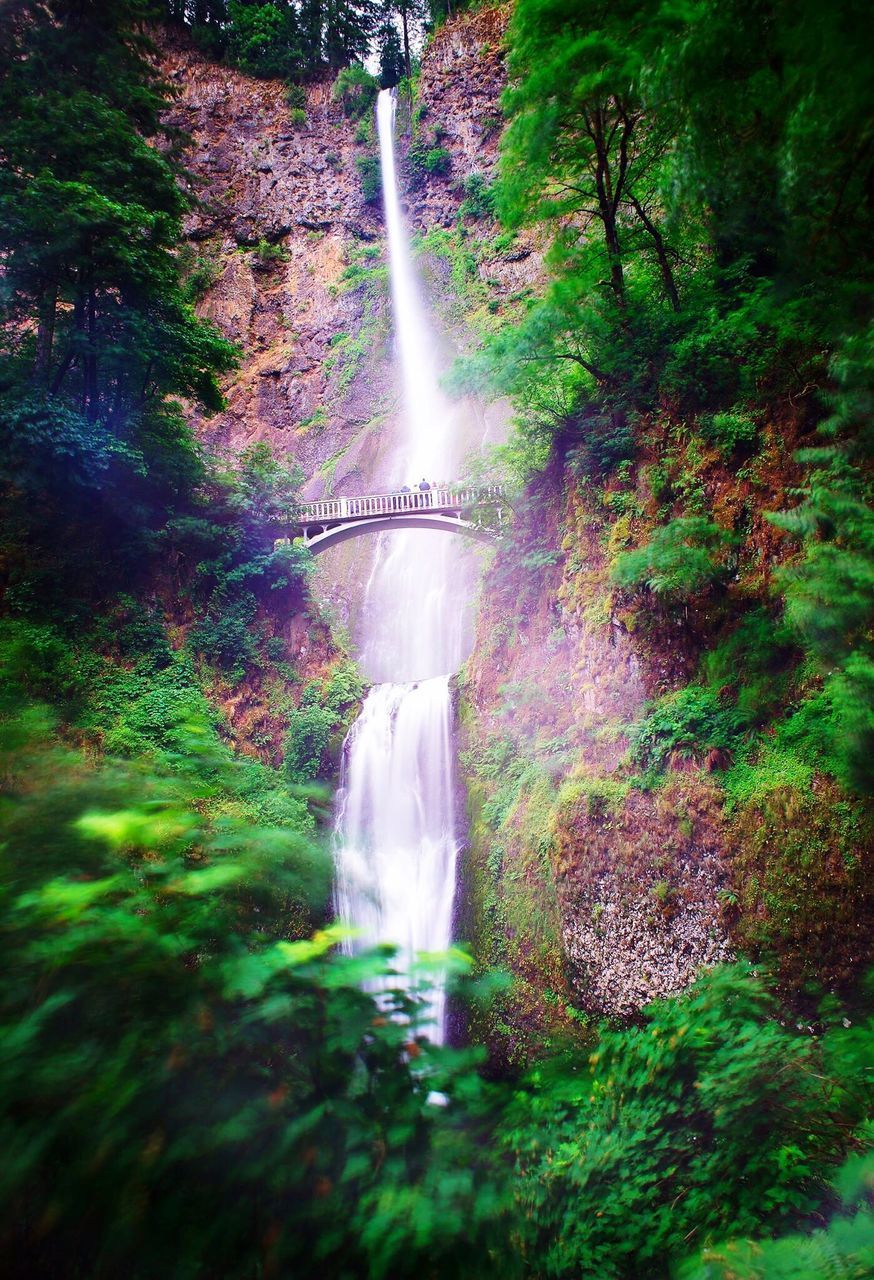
<point>644,797</point>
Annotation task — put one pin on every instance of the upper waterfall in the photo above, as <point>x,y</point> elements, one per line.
<point>427,450</point>
<point>419,589</point>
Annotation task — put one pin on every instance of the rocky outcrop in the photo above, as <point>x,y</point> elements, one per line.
<point>292,257</point>
<point>632,882</point>
<point>459,110</point>
<point>280,221</point>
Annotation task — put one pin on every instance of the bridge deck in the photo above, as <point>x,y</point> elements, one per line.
<point>450,499</point>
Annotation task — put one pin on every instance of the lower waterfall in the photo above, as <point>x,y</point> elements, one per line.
<point>396,823</point>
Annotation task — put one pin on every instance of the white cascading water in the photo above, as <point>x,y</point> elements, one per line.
<point>396,832</point>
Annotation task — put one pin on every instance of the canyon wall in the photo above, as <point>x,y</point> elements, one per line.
<point>597,883</point>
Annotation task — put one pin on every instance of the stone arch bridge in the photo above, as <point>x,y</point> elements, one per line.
<point>450,509</point>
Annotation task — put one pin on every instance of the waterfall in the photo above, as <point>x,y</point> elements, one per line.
<point>396,839</point>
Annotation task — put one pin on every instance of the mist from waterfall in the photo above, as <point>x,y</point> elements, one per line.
<point>396,834</point>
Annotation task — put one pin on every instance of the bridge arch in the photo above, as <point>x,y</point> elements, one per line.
<point>331,535</point>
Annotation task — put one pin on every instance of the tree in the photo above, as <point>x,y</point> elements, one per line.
<point>391,57</point>
<point>349,29</point>
<point>100,334</point>
<point>91,215</point>
<point>264,39</point>
<point>591,154</point>
<point>410,12</point>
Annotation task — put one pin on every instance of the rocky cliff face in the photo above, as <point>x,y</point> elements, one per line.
<point>597,890</point>
<point>293,263</point>
<point>281,219</point>
<point>293,258</point>
<point>591,892</point>
<point>600,878</point>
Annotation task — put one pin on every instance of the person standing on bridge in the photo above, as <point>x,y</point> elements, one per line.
<point>424,485</point>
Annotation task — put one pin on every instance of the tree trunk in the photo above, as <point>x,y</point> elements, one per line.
<point>45,334</point>
<point>661,253</point>
<point>90,388</point>
<point>607,197</point>
<point>407,61</point>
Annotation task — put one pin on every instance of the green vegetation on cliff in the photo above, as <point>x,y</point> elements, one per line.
<point>694,384</point>
<point>704,177</point>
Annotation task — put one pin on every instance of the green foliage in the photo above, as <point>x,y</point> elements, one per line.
<point>349,351</point>
<point>176,1038</point>
<point>226,636</point>
<point>685,723</point>
<point>479,198</point>
<point>266,254</point>
<point>370,173</point>
<point>707,1119</point>
<point>682,559</point>
<point>297,116</point>
<point>607,441</point>
<point>356,90</point>
<point>392,66</point>
<point>306,745</point>
<point>843,1251</point>
<point>262,39</point>
<point>201,276</point>
<point>91,214</point>
<point>729,431</point>
<point>169,1006</point>
<point>365,132</point>
<point>425,161</point>
<point>296,97</point>
<point>830,593</point>
<point>227,536</point>
<point>101,332</point>
<point>313,728</point>
<point>689,255</point>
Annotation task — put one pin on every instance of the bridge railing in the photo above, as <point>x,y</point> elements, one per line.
<point>395,504</point>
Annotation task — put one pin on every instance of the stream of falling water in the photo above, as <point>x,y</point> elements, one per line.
<point>396,837</point>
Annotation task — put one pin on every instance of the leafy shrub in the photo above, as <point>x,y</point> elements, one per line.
<point>40,660</point>
<point>177,1037</point>
<point>364,131</point>
<point>755,662</point>
<point>479,198</point>
<point>160,718</point>
<point>296,97</point>
<point>266,254</point>
<point>708,1119</point>
<point>370,173</point>
<point>344,688</point>
<point>729,431</point>
<point>689,721</point>
<point>428,161</point>
<point>297,116</point>
<point>843,1250</point>
<point>606,441</point>
<point>225,636</point>
<point>201,274</point>
<point>356,89</point>
<point>306,744</point>
<point>316,722</point>
<point>682,559</point>
<point>275,649</point>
